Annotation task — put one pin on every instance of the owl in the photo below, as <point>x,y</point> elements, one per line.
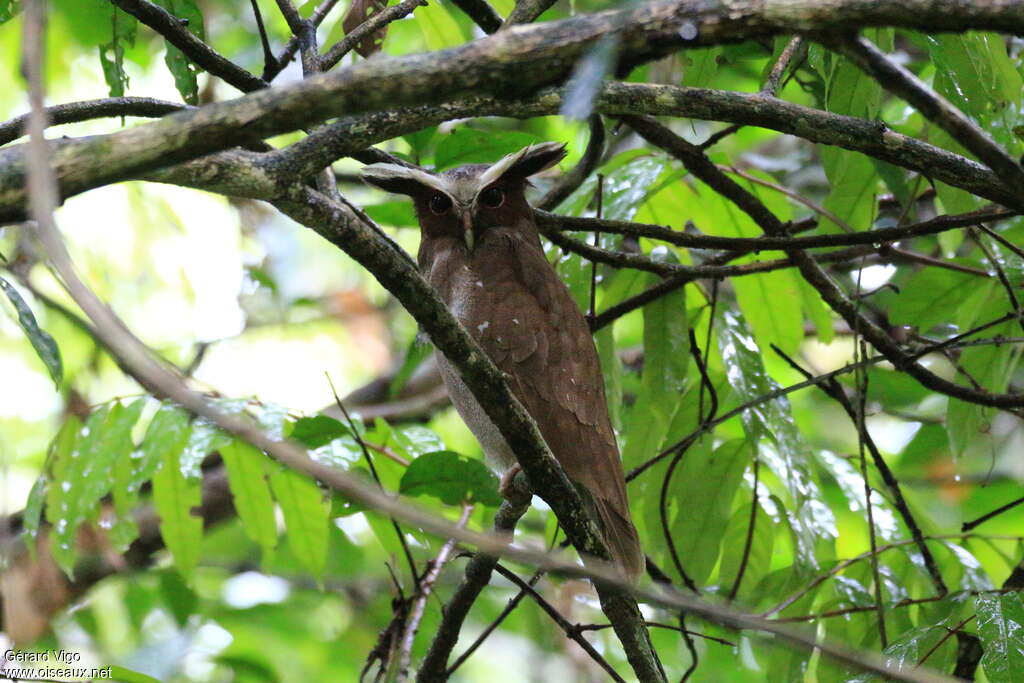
<point>481,252</point>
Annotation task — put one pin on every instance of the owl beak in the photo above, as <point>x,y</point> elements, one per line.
<point>467,229</point>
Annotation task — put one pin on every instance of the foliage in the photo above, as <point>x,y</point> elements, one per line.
<point>228,566</point>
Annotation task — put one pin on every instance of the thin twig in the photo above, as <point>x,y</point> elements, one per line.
<point>833,389</point>
<point>419,598</point>
<point>478,574</point>
<point>571,631</point>
<point>509,607</point>
<point>748,542</point>
<point>374,23</point>
<point>568,183</point>
<point>272,69</point>
<point>268,54</point>
<point>974,523</point>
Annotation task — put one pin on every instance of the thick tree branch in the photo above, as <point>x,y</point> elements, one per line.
<point>514,62</point>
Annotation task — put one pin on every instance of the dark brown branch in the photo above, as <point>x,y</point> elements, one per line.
<point>73,112</point>
<point>374,23</point>
<point>276,66</point>
<point>933,106</point>
<point>527,11</point>
<point>974,523</point>
<point>550,221</point>
<point>481,12</point>
<point>424,588</point>
<point>171,28</point>
<point>509,607</point>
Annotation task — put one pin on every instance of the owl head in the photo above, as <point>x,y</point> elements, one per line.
<point>463,203</point>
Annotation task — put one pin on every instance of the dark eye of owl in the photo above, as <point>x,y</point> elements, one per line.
<point>492,197</point>
<point>440,203</point>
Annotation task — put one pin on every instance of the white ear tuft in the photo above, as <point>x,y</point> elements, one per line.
<point>395,178</point>
<point>525,163</point>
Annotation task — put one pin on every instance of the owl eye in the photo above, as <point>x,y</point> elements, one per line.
<point>492,197</point>
<point>440,203</point>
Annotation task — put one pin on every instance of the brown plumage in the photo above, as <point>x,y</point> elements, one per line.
<point>481,251</point>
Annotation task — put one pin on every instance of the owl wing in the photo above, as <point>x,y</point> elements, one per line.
<point>537,335</point>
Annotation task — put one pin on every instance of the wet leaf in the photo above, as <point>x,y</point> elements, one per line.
<point>1001,628</point>
<point>87,475</point>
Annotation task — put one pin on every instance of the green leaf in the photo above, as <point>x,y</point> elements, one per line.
<point>701,66</point>
<point>817,311</point>
<point>440,30</point>
<point>416,440</point>
<point>86,476</point>
<point>975,73</point>
<point>451,477</point>
<point>770,301</point>
<point>915,304</point>
<point>176,491</point>
<point>43,343</point>
<point>398,214</point>
<point>707,484</point>
<point>122,29</point>
<point>125,489</point>
<point>247,478</point>
<point>420,141</point>
<point>852,177</point>
<point>306,517</point>
<point>1001,628</point>
<point>317,431</point>
<point>8,8</point>
<point>759,558</point>
<point>33,512</point>
<point>467,145</point>
<point>666,348</point>
<point>180,66</point>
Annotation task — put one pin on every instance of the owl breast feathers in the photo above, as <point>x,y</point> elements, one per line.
<point>481,251</point>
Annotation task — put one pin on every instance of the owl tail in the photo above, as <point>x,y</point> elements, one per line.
<point>620,536</point>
